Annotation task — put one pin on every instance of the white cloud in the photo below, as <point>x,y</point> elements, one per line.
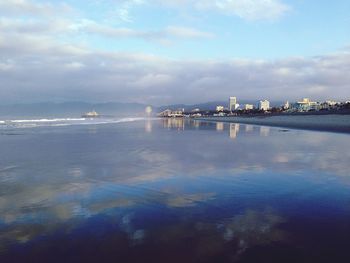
<point>27,7</point>
<point>75,65</point>
<point>40,61</point>
<point>168,32</point>
<point>152,80</point>
<point>124,8</point>
<point>34,26</point>
<point>247,9</point>
<point>34,68</point>
<point>186,32</point>
<point>251,10</point>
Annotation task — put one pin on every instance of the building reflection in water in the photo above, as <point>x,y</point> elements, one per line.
<point>171,123</point>
<point>219,126</point>
<point>148,126</point>
<point>234,129</point>
<point>249,128</point>
<point>196,124</point>
<point>264,131</point>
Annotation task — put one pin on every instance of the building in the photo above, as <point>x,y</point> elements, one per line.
<point>232,105</point>
<point>219,108</point>
<point>170,113</point>
<point>332,103</point>
<point>165,113</point>
<point>220,114</point>
<point>264,105</point>
<point>306,105</point>
<point>248,106</point>
<point>286,106</point>
<point>328,105</point>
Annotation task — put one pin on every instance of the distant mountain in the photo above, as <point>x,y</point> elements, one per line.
<point>69,109</point>
<point>212,105</point>
<point>203,106</point>
<point>76,109</point>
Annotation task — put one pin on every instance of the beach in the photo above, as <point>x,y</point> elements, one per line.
<point>330,122</point>
<point>171,190</point>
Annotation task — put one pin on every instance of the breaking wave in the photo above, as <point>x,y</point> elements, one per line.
<point>48,120</point>
<point>56,122</point>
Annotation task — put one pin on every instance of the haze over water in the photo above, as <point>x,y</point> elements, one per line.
<point>171,190</point>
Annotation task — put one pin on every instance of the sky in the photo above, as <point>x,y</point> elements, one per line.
<point>173,51</point>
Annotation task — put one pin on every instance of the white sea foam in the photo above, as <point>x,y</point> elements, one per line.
<point>48,120</point>
<point>7,168</point>
<point>57,122</point>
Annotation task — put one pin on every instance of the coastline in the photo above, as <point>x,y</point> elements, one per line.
<point>330,123</point>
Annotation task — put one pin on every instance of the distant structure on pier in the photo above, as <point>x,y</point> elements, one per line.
<point>171,113</point>
<point>148,110</point>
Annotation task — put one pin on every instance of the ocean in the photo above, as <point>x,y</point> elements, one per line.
<point>171,190</point>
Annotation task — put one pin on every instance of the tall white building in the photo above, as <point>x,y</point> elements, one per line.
<point>264,105</point>
<point>232,105</point>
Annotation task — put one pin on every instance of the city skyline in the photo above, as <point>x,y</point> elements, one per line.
<point>167,52</point>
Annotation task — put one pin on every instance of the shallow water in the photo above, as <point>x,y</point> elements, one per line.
<point>172,191</point>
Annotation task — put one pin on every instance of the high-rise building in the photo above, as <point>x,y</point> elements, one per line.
<point>264,105</point>
<point>232,103</point>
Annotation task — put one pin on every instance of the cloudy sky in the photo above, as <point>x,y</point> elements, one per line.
<point>173,51</point>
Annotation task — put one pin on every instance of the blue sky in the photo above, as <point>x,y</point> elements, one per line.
<point>300,28</point>
<point>147,50</point>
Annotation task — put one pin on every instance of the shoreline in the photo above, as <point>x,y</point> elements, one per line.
<point>330,123</point>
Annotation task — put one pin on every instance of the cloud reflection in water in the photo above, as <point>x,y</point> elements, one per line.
<point>173,168</point>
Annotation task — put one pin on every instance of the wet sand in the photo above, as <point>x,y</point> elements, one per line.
<point>331,122</point>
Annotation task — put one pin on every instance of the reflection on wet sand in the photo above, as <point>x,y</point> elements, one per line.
<point>264,131</point>
<point>219,126</point>
<point>177,123</point>
<point>253,228</point>
<point>234,129</point>
<point>195,123</point>
<point>148,126</point>
<point>226,240</point>
<point>249,128</point>
<point>188,193</point>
